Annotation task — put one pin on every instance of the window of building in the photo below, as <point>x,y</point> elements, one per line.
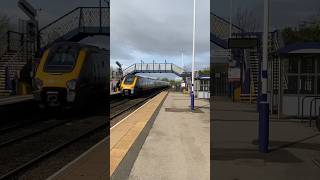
<point>307,65</point>
<point>204,85</point>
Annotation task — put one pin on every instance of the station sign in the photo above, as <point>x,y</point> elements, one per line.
<point>242,43</point>
<point>27,8</point>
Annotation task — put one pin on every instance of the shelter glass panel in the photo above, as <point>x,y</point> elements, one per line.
<point>307,84</point>
<point>292,66</point>
<point>292,85</point>
<point>318,85</point>
<point>318,62</point>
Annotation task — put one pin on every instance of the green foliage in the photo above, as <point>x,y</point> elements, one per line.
<point>204,72</point>
<point>165,79</point>
<point>308,31</point>
<point>304,34</point>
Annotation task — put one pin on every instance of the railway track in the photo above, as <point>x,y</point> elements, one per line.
<point>47,140</point>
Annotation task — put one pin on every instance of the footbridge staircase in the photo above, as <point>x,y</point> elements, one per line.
<point>250,58</point>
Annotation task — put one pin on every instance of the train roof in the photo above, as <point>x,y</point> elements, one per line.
<point>145,77</point>
<point>141,76</point>
<point>79,45</point>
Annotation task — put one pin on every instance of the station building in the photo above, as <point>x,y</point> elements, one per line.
<point>202,86</point>
<point>300,69</point>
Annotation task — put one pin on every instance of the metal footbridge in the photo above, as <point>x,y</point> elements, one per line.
<point>76,25</point>
<point>220,30</point>
<point>156,68</point>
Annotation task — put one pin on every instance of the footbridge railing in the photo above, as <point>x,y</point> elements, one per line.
<point>220,30</point>
<point>154,68</point>
<point>77,24</point>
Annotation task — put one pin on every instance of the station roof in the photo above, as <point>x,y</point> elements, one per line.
<point>203,77</point>
<point>301,48</point>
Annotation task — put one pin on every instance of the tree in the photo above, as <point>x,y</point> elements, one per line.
<point>204,72</point>
<point>308,31</point>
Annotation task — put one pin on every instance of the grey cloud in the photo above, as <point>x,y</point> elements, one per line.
<point>282,12</point>
<point>159,27</point>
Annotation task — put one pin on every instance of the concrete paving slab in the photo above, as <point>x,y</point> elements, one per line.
<point>177,146</point>
<point>293,146</point>
<point>128,136</point>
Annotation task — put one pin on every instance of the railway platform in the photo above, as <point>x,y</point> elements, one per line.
<point>160,139</point>
<point>178,145</point>
<point>294,147</point>
<point>125,138</point>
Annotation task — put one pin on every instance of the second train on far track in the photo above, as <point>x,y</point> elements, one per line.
<point>133,85</point>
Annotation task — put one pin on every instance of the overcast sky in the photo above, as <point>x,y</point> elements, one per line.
<point>162,29</point>
<point>159,30</point>
<point>282,12</point>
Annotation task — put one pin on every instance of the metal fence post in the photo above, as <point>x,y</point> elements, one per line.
<point>8,40</point>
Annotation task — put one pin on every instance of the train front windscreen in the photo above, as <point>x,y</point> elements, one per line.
<point>61,59</point>
<point>129,80</point>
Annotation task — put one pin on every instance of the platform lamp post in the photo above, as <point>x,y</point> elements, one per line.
<point>182,59</point>
<point>193,55</point>
<point>264,104</point>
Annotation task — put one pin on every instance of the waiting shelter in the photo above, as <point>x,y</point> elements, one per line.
<point>300,78</point>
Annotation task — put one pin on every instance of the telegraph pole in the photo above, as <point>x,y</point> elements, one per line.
<point>193,54</point>
<point>264,104</point>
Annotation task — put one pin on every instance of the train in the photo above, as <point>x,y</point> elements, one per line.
<point>134,85</point>
<point>70,74</point>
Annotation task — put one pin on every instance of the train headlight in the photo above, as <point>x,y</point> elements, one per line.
<point>38,83</point>
<point>72,84</point>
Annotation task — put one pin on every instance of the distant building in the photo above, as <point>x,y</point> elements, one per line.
<point>202,86</point>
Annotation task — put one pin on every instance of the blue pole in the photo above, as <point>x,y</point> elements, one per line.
<point>192,100</point>
<point>264,104</point>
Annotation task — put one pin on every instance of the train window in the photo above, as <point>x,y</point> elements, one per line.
<point>62,59</point>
